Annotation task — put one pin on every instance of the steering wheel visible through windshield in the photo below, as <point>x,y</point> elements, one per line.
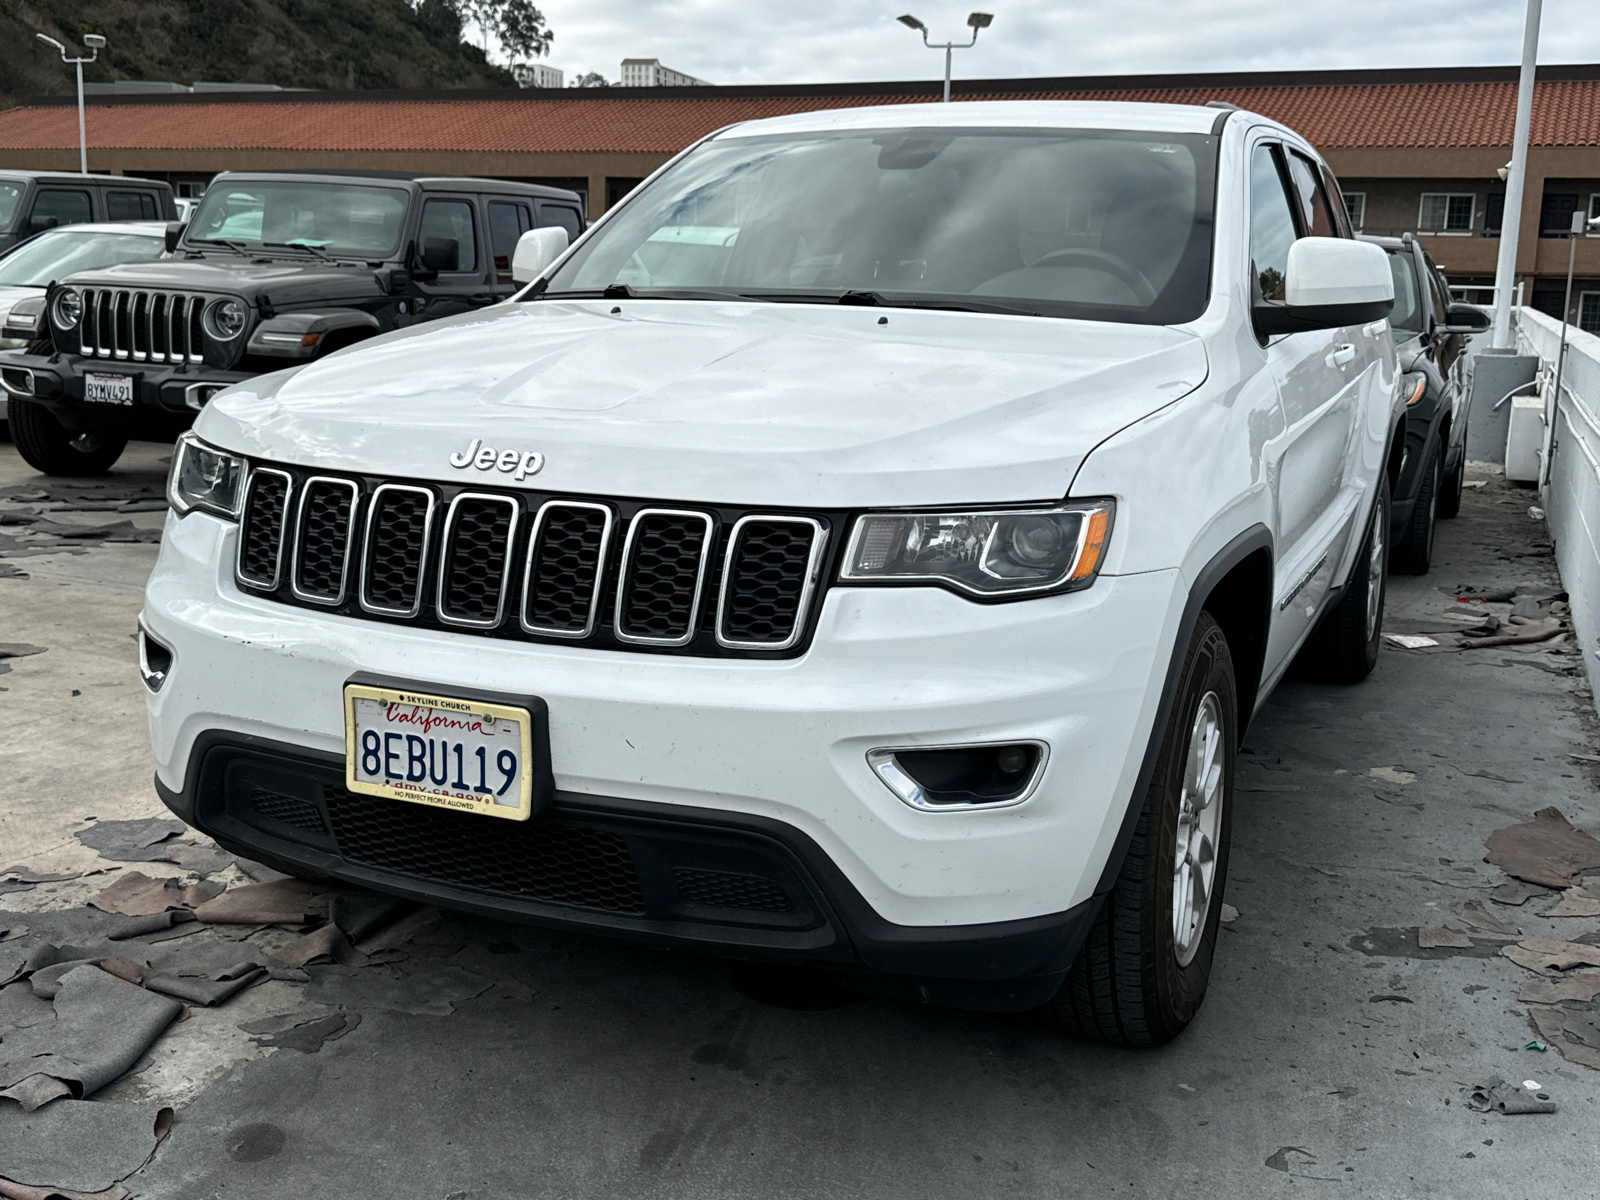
<point>1103,225</point>
<point>336,218</point>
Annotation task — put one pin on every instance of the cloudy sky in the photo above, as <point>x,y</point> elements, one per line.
<point>799,41</point>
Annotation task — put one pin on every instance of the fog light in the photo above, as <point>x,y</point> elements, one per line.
<point>943,778</point>
<point>155,661</point>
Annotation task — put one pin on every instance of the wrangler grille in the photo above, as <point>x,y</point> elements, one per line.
<point>142,326</point>
<point>607,573</point>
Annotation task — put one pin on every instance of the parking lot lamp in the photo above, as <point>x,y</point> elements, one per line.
<point>94,43</point>
<point>1505,272</point>
<point>975,22</point>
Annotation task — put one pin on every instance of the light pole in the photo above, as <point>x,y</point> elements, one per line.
<point>975,22</point>
<point>95,43</point>
<point>1505,272</point>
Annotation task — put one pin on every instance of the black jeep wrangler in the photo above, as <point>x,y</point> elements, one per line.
<point>273,269</point>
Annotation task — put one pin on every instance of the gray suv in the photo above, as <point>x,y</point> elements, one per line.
<point>33,201</point>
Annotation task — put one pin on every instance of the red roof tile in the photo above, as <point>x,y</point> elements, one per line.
<point>1402,114</point>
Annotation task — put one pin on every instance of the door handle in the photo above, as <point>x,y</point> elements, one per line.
<point>1341,354</point>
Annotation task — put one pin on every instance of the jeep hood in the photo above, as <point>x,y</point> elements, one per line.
<point>284,282</point>
<point>783,404</point>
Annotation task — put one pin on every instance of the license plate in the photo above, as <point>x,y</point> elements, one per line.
<point>468,755</point>
<point>108,389</point>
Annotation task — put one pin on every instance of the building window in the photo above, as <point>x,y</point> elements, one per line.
<point>1355,203</point>
<point>1594,212</point>
<point>1446,212</point>
<point>1589,312</point>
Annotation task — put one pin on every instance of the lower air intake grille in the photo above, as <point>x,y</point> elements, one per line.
<point>559,864</point>
<point>724,889</point>
<point>302,814</point>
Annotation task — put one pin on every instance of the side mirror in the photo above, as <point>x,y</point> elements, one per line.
<point>40,224</point>
<point>1329,282</point>
<point>1465,318</point>
<point>175,234</point>
<point>535,251</point>
<point>441,254</point>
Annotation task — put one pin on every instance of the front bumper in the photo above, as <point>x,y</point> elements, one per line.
<point>166,399</point>
<point>778,743</point>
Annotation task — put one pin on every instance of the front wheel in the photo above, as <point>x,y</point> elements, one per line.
<point>1143,970</point>
<point>1414,553</point>
<point>48,446</point>
<point>1454,484</point>
<point>1344,647</point>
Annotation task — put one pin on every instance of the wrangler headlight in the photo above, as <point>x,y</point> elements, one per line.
<point>225,319</point>
<point>68,307</point>
<point>997,553</point>
<point>206,478</point>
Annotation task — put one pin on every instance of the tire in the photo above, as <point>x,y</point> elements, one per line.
<point>1454,484</point>
<point>1413,554</point>
<point>1344,647</point>
<point>48,447</point>
<point>1135,982</point>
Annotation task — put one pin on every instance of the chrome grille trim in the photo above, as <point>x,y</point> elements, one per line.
<point>141,325</point>
<point>374,504</point>
<point>446,547</point>
<point>539,521</point>
<point>299,536</point>
<point>283,528</point>
<point>819,541</point>
<point>707,547</point>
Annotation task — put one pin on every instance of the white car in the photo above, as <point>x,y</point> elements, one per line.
<point>30,267</point>
<point>865,547</point>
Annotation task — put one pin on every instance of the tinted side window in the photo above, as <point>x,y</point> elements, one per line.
<point>452,219</point>
<point>561,215</point>
<point>1342,219</point>
<point>1272,228</point>
<point>1316,214</point>
<point>507,223</point>
<point>67,207</point>
<point>130,206</point>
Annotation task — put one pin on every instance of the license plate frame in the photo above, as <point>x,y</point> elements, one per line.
<point>535,784</point>
<point>125,387</point>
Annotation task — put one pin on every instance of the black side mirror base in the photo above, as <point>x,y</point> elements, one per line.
<point>1273,317</point>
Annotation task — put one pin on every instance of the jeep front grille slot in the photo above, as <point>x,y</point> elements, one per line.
<point>266,506</point>
<point>561,585</point>
<point>322,539</point>
<point>399,520</point>
<point>141,325</point>
<point>473,565</point>
<point>772,566</point>
<point>663,572</point>
<point>599,572</point>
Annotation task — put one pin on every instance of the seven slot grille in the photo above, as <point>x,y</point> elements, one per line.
<point>610,574</point>
<point>142,326</point>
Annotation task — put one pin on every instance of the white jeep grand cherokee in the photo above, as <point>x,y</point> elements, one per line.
<point>864,547</point>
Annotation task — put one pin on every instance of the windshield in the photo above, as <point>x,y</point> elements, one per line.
<point>1406,319</point>
<point>1107,226</point>
<point>10,193</point>
<point>337,218</point>
<point>61,252</point>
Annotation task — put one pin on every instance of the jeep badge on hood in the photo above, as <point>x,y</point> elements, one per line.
<point>486,458</point>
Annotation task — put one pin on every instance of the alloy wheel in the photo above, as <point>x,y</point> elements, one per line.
<point>1199,823</point>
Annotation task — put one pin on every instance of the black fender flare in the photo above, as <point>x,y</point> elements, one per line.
<point>1253,540</point>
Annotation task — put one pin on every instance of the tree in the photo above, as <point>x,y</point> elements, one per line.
<point>591,79</point>
<point>518,24</point>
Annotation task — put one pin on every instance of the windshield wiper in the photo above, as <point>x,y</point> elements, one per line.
<point>238,248</point>
<point>623,291</point>
<point>895,300</point>
<point>306,246</point>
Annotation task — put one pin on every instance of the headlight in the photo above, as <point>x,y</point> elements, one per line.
<point>999,553</point>
<point>206,478</point>
<point>67,308</point>
<point>1413,386</point>
<point>225,319</point>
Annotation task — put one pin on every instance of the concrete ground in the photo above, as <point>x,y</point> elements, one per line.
<point>1331,1050</point>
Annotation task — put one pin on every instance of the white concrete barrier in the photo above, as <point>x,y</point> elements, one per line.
<point>1571,494</point>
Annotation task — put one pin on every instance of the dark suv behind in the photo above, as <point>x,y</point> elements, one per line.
<point>273,269</point>
<point>1430,336</point>
<point>33,201</point>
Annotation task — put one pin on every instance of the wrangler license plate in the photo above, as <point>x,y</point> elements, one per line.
<point>108,389</point>
<point>468,755</point>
